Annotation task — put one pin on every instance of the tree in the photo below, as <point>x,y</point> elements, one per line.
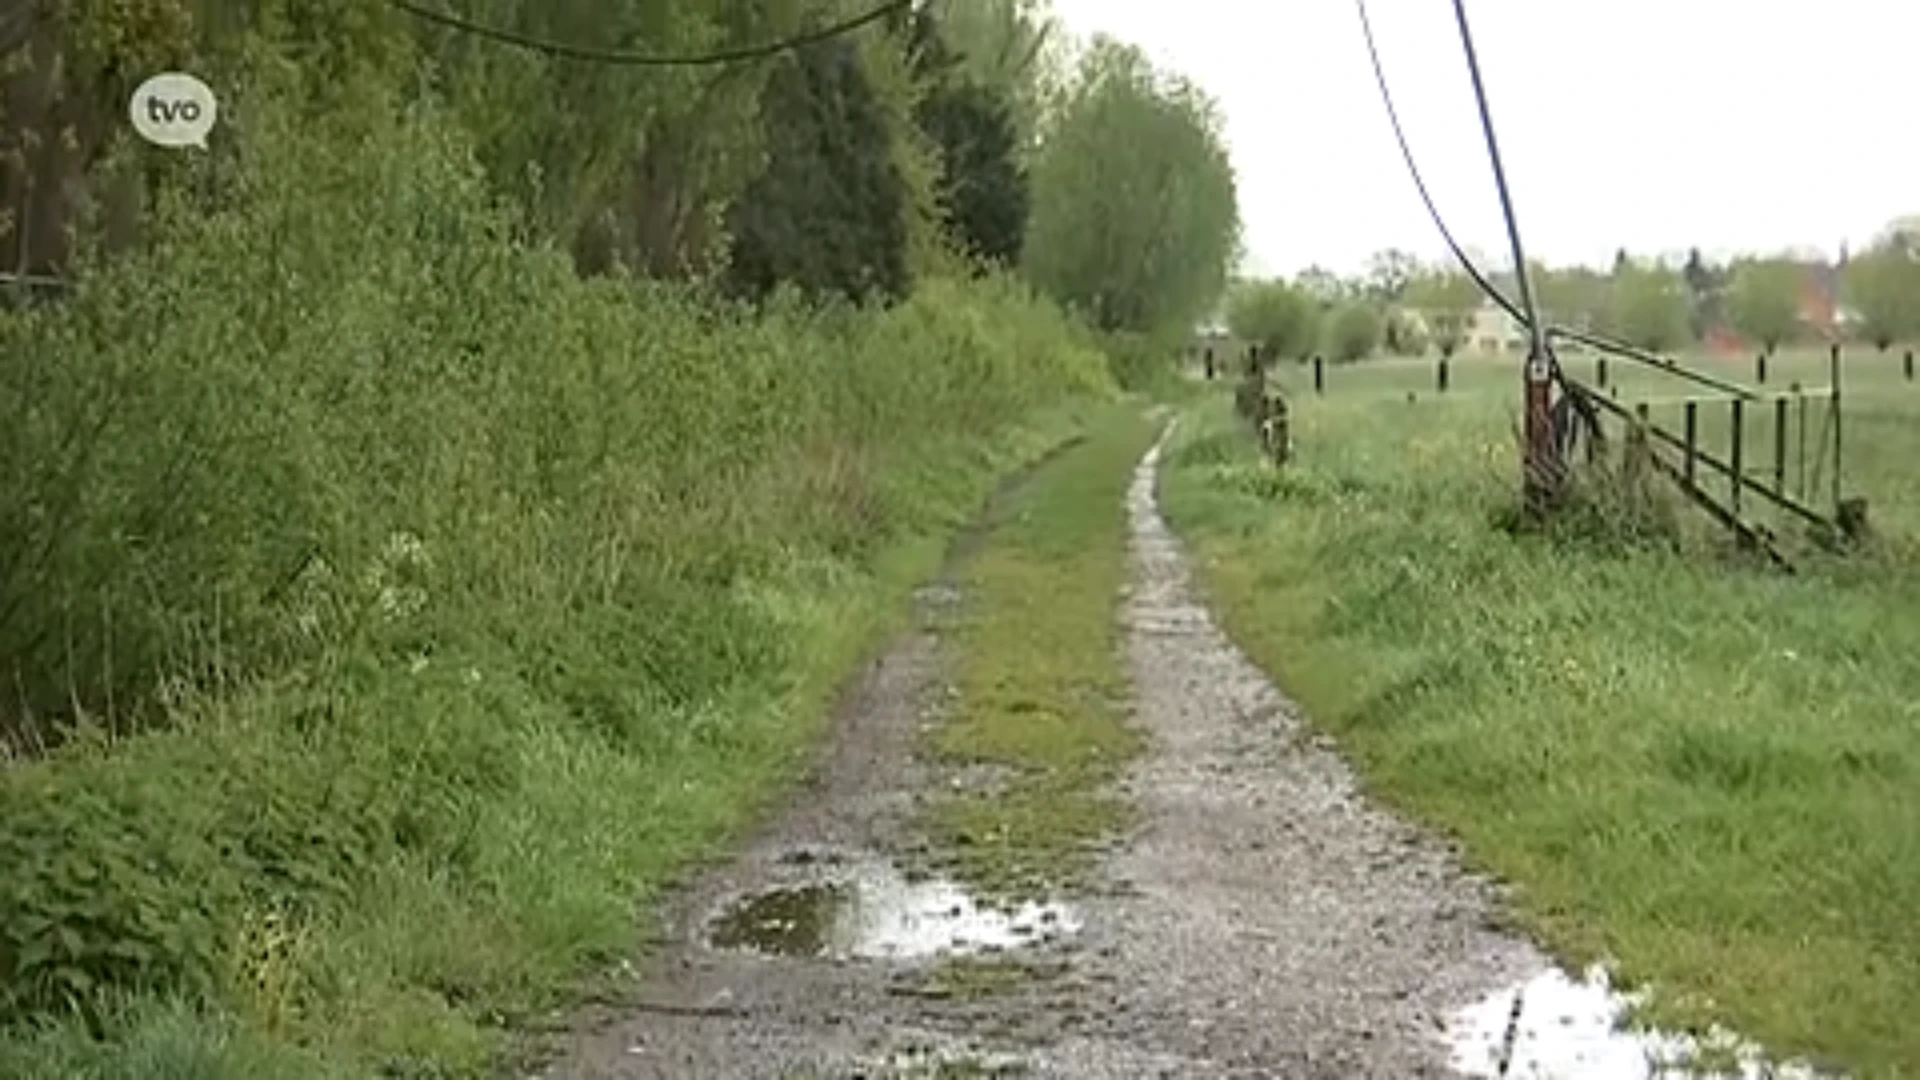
<point>1389,272</point>
<point>1272,315</point>
<point>1446,301</point>
<point>1706,290</point>
<point>1581,297</point>
<point>1652,308</point>
<point>1136,220</point>
<point>1004,45</point>
<point>1902,234</point>
<point>1322,285</point>
<point>1882,284</point>
<point>1353,332</point>
<point>1313,328</point>
<point>982,190</point>
<point>1763,303</point>
<point>829,211</point>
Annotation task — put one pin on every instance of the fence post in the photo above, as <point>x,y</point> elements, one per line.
<point>1319,375</point>
<point>1833,366</point>
<point>1600,372</point>
<point>1800,421</point>
<point>1760,368</point>
<point>1780,446</point>
<point>1209,363</point>
<point>1440,378</point>
<point>1739,462</point>
<point>1907,362</point>
<point>1692,440</point>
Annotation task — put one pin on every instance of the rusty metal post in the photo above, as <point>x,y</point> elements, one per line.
<point>1738,466</point>
<point>1780,446</point>
<point>1319,375</point>
<point>1833,368</point>
<point>1692,440</point>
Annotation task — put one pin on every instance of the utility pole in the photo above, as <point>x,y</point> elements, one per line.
<point>1541,468</point>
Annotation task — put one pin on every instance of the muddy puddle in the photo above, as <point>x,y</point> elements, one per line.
<point>870,911</point>
<point>1568,1029</point>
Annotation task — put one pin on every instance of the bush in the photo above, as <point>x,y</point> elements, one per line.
<point>1353,333</point>
<point>426,589</point>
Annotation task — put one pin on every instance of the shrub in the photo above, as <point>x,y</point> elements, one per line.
<point>361,543</point>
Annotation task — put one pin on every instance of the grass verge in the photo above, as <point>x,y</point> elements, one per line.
<point>1699,771</point>
<point>428,972</point>
<point>1040,679</point>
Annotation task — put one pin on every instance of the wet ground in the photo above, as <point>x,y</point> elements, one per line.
<point>1263,921</point>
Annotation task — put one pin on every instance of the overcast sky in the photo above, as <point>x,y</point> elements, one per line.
<point>1648,124</point>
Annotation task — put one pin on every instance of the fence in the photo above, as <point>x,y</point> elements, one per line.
<point>1779,460</point>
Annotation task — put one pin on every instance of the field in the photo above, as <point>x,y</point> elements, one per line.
<point>1695,768</point>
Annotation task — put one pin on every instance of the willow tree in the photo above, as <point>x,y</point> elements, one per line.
<point>1135,218</point>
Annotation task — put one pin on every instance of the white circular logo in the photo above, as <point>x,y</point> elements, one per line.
<point>174,109</point>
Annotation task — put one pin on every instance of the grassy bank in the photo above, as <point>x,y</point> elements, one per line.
<point>1041,678</point>
<point>1701,771</point>
<point>391,614</point>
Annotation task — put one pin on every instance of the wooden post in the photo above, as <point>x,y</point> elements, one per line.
<point>1833,374</point>
<point>1780,446</point>
<point>1319,375</point>
<point>1739,463</point>
<point>1907,362</point>
<point>1692,439</point>
<point>1600,372</point>
<point>1760,368</point>
<point>1440,376</point>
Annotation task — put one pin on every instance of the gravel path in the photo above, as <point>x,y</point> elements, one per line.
<point>1265,920</point>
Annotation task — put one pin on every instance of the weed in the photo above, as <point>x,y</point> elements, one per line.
<point>1040,677</point>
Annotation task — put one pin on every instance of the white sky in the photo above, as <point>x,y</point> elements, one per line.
<point>1648,124</point>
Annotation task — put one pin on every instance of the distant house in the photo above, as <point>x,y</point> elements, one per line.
<point>1495,330</point>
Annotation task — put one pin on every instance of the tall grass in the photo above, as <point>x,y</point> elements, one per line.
<point>1697,768</point>
<point>385,612</point>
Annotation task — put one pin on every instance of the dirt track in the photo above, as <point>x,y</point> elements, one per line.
<point>1263,920</point>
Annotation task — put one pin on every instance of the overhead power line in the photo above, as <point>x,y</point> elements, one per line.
<point>1420,183</point>
<point>596,55</point>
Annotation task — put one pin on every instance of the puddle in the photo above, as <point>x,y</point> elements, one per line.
<point>1568,1030</point>
<point>875,913</point>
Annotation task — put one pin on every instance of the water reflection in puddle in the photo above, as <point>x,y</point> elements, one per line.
<point>873,912</point>
<point>1568,1030</point>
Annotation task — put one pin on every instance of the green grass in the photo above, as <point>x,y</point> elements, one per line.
<point>1699,769</point>
<point>427,608</point>
<point>1040,676</point>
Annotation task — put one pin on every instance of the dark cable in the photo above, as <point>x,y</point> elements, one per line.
<point>1413,169</point>
<point>1521,274</point>
<point>1562,423</point>
<point>632,59</point>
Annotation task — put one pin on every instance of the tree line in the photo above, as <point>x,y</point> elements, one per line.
<point>959,137</point>
<point>1401,306</point>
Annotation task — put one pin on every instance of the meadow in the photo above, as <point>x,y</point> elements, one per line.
<point>1689,765</point>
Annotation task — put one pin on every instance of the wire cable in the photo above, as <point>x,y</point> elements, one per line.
<point>633,59</point>
<point>1420,183</point>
